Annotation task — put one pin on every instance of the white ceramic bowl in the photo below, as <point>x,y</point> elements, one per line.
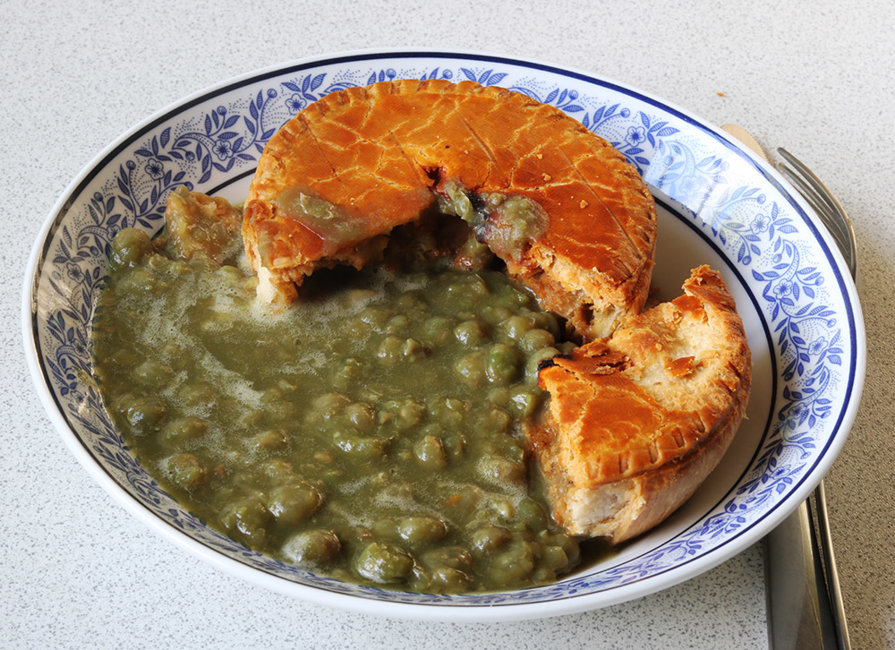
<point>718,203</point>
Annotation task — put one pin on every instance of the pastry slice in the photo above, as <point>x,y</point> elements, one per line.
<point>635,422</point>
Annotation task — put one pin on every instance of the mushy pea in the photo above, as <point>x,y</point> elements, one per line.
<point>370,432</point>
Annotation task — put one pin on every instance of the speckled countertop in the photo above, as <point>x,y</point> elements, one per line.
<point>79,571</point>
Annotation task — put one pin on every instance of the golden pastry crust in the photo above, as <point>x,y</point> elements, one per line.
<point>635,422</point>
<point>382,153</point>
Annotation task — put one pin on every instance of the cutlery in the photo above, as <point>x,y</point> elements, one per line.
<point>804,599</point>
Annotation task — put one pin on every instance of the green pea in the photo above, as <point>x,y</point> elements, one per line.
<point>384,563</point>
<point>515,327</point>
<point>186,471</point>
<point>488,539</point>
<point>183,429</point>
<point>456,405</point>
<point>312,547</point>
<point>376,316</point>
<point>142,414</point>
<point>471,284</point>
<point>330,404</point>
<point>513,565</point>
<point>472,332</point>
<point>362,447</point>
<point>248,520</point>
<point>471,368</point>
<point>494,509</point>
<point>455,445</point>
<point>447,579</point>
<point>548,321</point>
<point>410,414</point>
<point>498,395</point>
<point>455,557</point>
<point>413,350</point>
<point>536,339</point>
<point>429,452</point>
<point>532,514</point>
<point>271,440</point>
<point>390,350</point>
<point>524,402</point>
<point>498,420</point>
<point>501,471</point>
<point>502,364</point>
<point>449,411</point>
<point>362,416</point>
<point>535,360</point>
<point>495,314</point>
<point>521,297</point>
<point>397,324</point>
<point>505,446</point>
<point>438,329</point>
<point>555,558</point>
<point>420,531</point>
<point>294,503</point>
<point>332,449</point>
<point>568,544</point>
<point>129,248</point>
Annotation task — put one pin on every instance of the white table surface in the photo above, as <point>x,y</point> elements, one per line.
<point>76,570</point>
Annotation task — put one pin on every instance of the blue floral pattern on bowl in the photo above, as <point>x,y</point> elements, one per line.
<point>811,322</point>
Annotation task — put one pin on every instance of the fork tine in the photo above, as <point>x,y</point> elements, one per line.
<point>806,190</point>
<point>825,203</point>
<point>818,188</point>
<point>822,208</point>
<point>825,209</point>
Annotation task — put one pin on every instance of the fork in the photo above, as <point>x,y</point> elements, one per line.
<point>804,599</point>
<point>801,564</point>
